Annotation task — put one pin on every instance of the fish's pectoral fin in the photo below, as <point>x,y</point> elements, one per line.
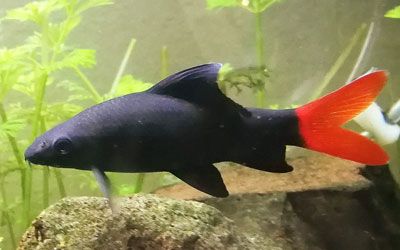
<point>105,187</point>
<point>204,178</point>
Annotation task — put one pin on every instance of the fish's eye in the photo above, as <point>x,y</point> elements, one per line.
<point>63,145</point>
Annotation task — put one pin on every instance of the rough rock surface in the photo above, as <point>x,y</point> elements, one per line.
<point>347,211</point>
<point>315,220</point>
<point>143,222</point>
<point>325,203</point>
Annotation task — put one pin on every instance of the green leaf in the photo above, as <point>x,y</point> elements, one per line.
<point>26,84</point>
<point>12,127</point>
<point>225,69</point>
<point>17,111</point>
<point>25,89</point>
<point>70,86</point>
<point>11,58</point>
<point>78,93</point>
<point>36,11</point>
<point>393,13</point>
<point>85,5</point>
<point>60,111</point>
<point>66,27</point>
<point>77,58</point>
<point>57,33</point>
<point>11,66</point>
<point>33,42</point>
<point>257,6</point>
<point>213,4</point>
<point>250,77</point>
<point>128,84</point>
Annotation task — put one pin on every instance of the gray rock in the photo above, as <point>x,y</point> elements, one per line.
<point>143,222</point>
<point>361,214</point>
<point>356,217</point>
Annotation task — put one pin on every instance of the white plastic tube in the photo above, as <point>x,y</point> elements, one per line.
<point>373,121</point>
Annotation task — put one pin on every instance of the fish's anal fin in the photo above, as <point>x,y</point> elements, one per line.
<point>199,85</point>
<point>105,187</point>
<point>270,160</point>
<point>272,167</point>
<point>205,178</point>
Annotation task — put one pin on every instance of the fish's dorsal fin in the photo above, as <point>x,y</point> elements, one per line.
<point>198,85</point>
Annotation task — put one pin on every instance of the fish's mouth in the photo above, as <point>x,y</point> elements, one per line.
<point>29,163</point>
<point>31,157</point>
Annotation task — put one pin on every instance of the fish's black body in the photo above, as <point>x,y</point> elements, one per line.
<point>182,125</point>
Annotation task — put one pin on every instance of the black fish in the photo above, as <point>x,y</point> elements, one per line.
<point>184,124</point>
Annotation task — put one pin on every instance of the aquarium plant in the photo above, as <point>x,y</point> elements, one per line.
<point>393,13</point>
<point>27,71</point>
<point>393,113</point>
<point>45,62</point>
<point>260,73</point>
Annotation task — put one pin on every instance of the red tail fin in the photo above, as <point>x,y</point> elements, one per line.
<point>320,121</point>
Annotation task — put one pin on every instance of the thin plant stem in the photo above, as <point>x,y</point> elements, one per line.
<point>39,96</point>
<point>46,173</point>
<point>27,196</point>
<point>23,168</point>
<point>16,151</point>
<point>97,97</point>
<point>363,51</point>
<point>10,229</point>
<point>60,183</point>
<point>139,183</point>
<point>40,88</point>
<point>339,62</point>
<point>6,216</point>
<point>261,98</point>
<point>40,92</point>
<point>57,172</point>
<point>259,39</point>
<point>164,62</point>
<point>260,91</point>
<point>12,140</point>
<point>122,66</point>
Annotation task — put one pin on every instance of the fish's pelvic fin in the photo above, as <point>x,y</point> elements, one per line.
<point>320,121</point>
<point>199,85</point>
<point>205,178</point>
<point>105,187</point>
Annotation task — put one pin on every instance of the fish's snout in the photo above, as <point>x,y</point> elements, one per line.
<point>33,152</point>
<point>30,154</point>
